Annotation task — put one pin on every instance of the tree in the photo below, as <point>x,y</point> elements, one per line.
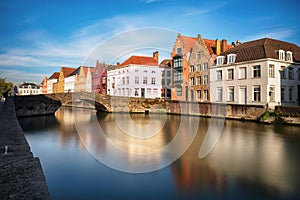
<point>5,87</point>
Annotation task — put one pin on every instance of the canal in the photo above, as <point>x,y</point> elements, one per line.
<point>120,156</point>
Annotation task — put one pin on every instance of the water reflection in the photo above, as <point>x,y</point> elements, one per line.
<point>250,160</point>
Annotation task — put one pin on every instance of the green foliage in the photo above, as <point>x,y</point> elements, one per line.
<point>266,115</point>
<point>5,86</point>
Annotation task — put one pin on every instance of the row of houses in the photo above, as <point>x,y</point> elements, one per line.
<point>259,72</point>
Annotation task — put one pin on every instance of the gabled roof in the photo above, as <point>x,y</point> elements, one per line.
<point>67,71</point>
<point>188,42</point>
<point>166,62</point>
<point>262,48</point>
<point>140,60</point>
<point>55,75</point>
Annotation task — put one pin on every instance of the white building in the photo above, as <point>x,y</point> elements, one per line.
<point>52,80</point>
<point>29,89</point>
<point>138,76</point>
<point>260,72</point>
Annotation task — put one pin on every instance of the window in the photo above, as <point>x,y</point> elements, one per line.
<point>153,80</point>
<point>198,67</point>
<point>230,75</point>
<point>123,92</point>
<point>103,80</point>
<point>271,71</point>
<point>281,55</point>
<point>205,82</point>
<point>123,80</point>
<point>205,66</point>
<point>179,50</point>
<point>291,91</point>
<point>230,93</point>
<point>127,80</point>
<point>220,60</point>
<point>155,92</point>
<point>179,90</point>
<point>145,80</point>
<point>291,73</point>
<point>136,92</point>
<point>198,80</point>
<point>177,73</point>
<point>282,92</point>
<point>192,81</point>
<point>192,68</point>
<point>219,94</point>
<point>198,56</point>
<point>231,58</point>
<point>289,56</point>
<point>163,82</point>
<point>242,73</point>
<point>256,71</point>
<point>153,72</point>
<point>205,95</point>
<point>136,80</point>
<point>272,93</point>
<point>198,94</point>
<point>282,73</point>
<point>219,75</point>
<point>145,71</point>
<point>136,70</point>
<point>256,93</point>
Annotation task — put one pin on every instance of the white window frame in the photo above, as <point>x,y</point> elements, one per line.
<point>231,58</point>
<point>281,54</point>
<point>220,60</point>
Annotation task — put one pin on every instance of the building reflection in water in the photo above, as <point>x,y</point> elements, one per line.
<point>247,155</point>
<point>249,152</point>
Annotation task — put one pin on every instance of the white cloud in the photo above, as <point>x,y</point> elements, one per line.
<point>192,11</point>
<point>18,76</point>
<point>280,34</point>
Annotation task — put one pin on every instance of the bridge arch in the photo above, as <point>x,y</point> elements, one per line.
<point>99,106</point>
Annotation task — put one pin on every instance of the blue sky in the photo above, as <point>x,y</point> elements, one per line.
<point>38,37</point>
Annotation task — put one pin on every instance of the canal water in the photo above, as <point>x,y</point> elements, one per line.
<point>84,156</point>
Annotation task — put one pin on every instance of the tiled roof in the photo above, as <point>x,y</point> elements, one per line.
<point>166,62</point>
<point>140,60</point>
<point>55,75</point>
<point>67,71</point>
<point>262,48</point>
<point>188,42</point>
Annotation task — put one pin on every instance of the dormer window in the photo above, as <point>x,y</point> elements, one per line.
<point>220,60</point>
<point>231,58</point>
<point>289,56</point>
<point>281,55</point>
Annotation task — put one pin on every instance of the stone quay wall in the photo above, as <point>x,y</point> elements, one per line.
<point>21,174</point>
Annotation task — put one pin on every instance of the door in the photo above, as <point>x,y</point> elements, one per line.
<point>143,92</point>
<point>242,95</point>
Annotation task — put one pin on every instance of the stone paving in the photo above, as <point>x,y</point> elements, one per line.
<point>21,174</point>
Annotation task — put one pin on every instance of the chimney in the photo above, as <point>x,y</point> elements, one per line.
<point>238,42</point>
<point>218,47</point>
<point>199,37</point>
<point>223,46</point>
<point>155,55</point>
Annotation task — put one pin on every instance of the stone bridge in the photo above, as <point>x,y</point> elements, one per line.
<point>106,103</point>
